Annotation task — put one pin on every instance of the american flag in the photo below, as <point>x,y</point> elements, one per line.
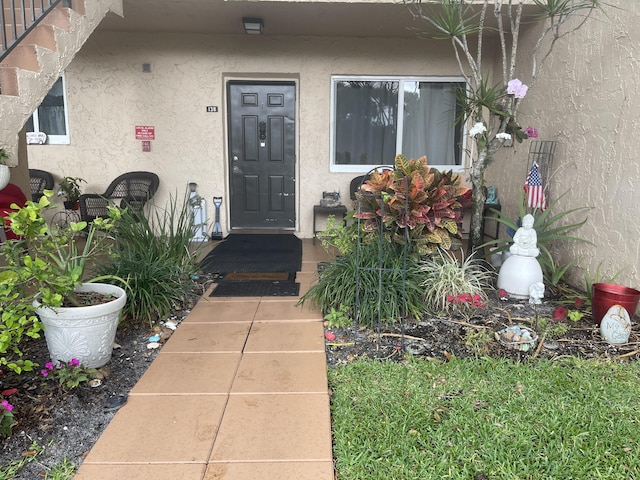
<point>533,188</point>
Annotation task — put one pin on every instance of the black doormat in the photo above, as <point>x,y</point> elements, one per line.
<point>256,276</point>
<point>255,253</point>
<point>252,288</point>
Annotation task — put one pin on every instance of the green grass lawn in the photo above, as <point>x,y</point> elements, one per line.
<point>563,419</point>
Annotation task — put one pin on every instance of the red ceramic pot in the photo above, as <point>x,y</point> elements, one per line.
<point>606,295</point>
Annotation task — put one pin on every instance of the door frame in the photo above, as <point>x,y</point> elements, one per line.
<point>225,105</point>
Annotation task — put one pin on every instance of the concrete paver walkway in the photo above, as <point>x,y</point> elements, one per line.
<point>238,392</point>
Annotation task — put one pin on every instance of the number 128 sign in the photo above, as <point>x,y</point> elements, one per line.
<point>145,132</point>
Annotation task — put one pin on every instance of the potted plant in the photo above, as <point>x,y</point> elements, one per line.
<point>44,277</point>
<point>5,175</point>
<point>70,188</point>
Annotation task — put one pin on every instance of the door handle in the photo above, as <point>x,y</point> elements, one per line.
<point>235,158</point>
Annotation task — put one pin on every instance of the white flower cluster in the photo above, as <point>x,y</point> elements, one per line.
<point>504,136</point>
<point>476,129</point>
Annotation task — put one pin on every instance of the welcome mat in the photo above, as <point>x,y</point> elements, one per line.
<point>255,265</point>
<point>256,276</point>
<point>255,253</point>
<point>252,288</point>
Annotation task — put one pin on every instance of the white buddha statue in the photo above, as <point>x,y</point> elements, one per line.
<point>525,240</point>
<point>521,271</point>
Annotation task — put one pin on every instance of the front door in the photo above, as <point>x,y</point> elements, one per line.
<point>262,154</point>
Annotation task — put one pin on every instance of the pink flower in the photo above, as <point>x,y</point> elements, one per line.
<point>74,362</point>
<point>578,302</point>
<point>44,372</point>
<point>48,365</point>
<point>560,313</point>
<point>6,405</point>
<point>516,88</point>
<point>502,294</point>
<point>531,132</point>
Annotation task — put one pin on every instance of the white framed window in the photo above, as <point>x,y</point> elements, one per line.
<point>51,116</point>
<point>375,118</point>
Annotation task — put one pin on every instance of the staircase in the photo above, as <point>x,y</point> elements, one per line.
<point>35,62</point>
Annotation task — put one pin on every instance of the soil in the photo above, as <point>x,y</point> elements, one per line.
<point>67,424</point>
<point>446,338</point>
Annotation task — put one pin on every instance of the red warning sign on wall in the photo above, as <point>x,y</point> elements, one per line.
<point>145,132</point>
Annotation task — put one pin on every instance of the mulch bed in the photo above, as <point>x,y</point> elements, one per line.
<point>446,338</point>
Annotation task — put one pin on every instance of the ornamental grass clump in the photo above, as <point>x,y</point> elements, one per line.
<point>416,198</point>
<point>154,254</point>
<point>454,287</point>
<point>373,278</point>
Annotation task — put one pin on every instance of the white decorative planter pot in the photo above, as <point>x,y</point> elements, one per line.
<point>517,274</point>
<point>5,176</point>
<point>85,333</point>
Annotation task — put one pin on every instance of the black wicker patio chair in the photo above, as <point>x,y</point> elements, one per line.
<point>39,181</point>
<point>132,189</point>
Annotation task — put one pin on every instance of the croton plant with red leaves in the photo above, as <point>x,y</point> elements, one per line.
<point>417,200</point>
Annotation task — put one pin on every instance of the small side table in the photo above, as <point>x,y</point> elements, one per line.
<point>488,213</point>
<point>319,209</point>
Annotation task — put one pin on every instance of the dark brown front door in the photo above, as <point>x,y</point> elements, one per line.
<point>262,154</point>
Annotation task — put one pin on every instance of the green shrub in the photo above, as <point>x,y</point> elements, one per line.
<point>381,268</point>
<point>414,197</point>
<point>154,256</point>
<point>339,234</point>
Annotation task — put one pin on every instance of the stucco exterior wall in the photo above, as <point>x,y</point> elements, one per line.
<point>587,99</point>
<point>108,95</point>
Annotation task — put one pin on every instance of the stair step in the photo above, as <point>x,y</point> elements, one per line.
<point>24,57</point>
<point>42,35</point>
<point>59,17</point>
<point>9,81</point>
<point>78,6</point>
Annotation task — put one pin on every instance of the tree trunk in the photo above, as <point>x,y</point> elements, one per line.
<point>478,199</point>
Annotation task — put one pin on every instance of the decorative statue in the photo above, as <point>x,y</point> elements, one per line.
<point>536,292</point>
<point>492,196</point>
<point>525,240</point>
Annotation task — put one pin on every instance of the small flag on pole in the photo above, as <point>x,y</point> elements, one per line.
<point>533,188</point>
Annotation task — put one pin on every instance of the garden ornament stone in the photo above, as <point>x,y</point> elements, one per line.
<point>525,240</point>
<point>536,293</point>
<point>521,269</point>
<point>615,327</point>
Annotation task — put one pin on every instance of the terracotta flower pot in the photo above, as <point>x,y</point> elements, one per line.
<point>606,295</point>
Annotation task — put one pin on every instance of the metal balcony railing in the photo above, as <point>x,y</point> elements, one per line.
<point>19,17</point>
